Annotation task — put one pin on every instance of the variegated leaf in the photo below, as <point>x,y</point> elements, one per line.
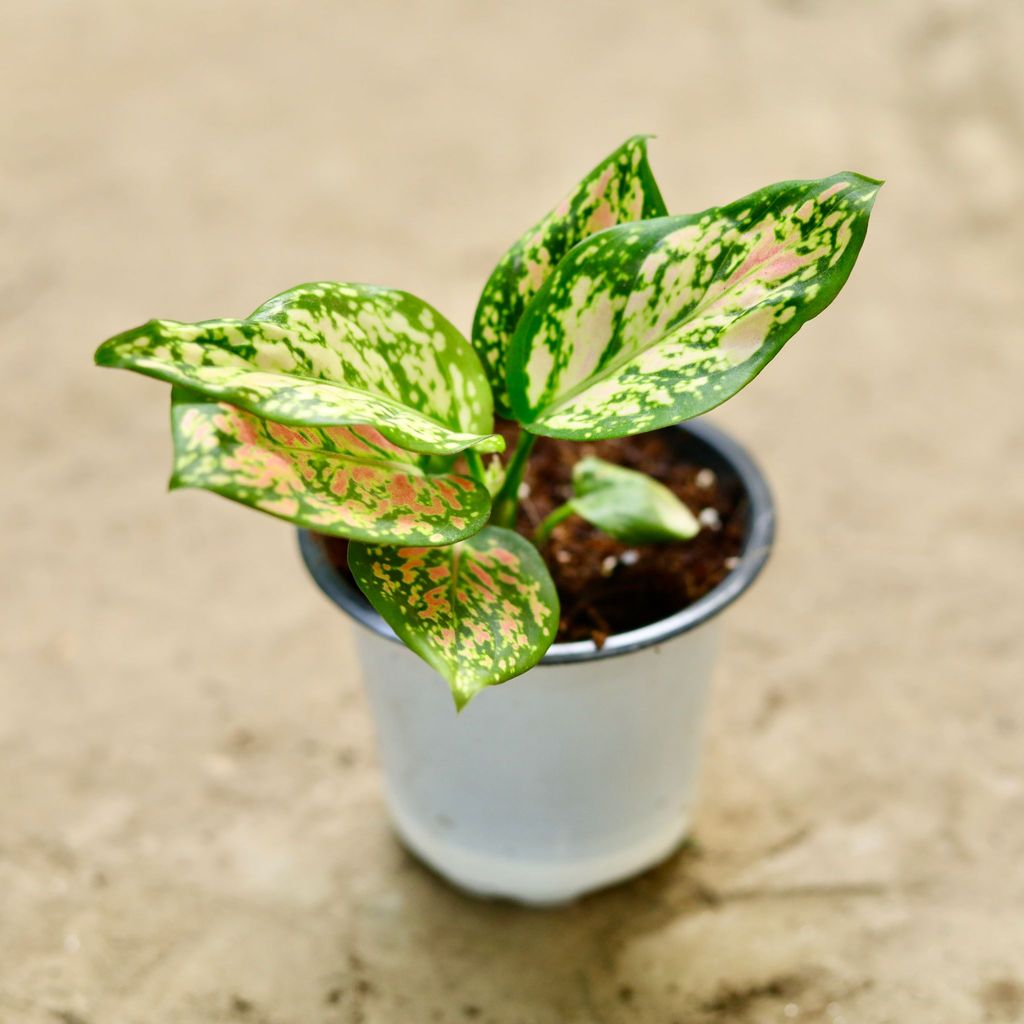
<point>479,612</point>
<point>651,323</point>
<point>620,188</point>
<point>346,481</point>
<point>329,354</point>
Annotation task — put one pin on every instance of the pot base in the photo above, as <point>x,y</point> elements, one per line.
<point>540,884</point>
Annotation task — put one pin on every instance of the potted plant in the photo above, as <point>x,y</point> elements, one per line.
<point>360,413</point>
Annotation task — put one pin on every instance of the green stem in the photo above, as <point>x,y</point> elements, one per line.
<point>475,464</point>
<point>506,502</point>
<point>543,531</point>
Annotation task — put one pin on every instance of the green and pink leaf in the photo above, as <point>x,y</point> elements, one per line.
<point>652,323</point>
<point>346,481</point>
<point>479,612</point>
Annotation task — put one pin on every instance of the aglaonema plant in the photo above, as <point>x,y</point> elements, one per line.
<point>361,412</point>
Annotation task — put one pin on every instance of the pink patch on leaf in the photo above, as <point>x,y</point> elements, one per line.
<point>286,436</point>
<point>364,475</point>
<point>401,491</point>
<point>281,506</point>
<point>782,265</point>
<point>764,250</point>
<point>601,218</point>
<point>480,635</point>
<point>505,556</point>
<point>535,274</point>
<point>769,259</point>
<point>236,424</point>
<point>482,575</point>
<point>375,437</point>
<point>259,468</point>
<point>449,493</point>
<point>437,604</point>
<point>414,559</point>
<point>339,482</point>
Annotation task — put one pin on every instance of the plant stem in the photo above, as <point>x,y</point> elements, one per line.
<point>549,522</point>
<point>506,501</point>
<point>475,464</point>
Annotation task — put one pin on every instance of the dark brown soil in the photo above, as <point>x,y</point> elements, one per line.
<point>607,587</point>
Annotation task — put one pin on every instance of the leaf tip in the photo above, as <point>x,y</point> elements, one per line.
<point>684,524</point>
<point>462,691</point>
<point>492,444</point>
<point>877,182</point>
<point>866,185</point>
<point>104,355</point>
<point>640,139</point>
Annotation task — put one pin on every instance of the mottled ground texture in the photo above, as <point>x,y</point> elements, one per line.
<point>191,826</point>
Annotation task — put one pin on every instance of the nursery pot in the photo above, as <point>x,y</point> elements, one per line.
<point>577,774</point>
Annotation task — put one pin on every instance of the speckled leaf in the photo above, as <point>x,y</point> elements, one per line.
<point>627,505</point>
<point>479,612</point>
<point>652,323</point>
<point>329,354</point>
<point>620,188</point>
<point>347,481</point>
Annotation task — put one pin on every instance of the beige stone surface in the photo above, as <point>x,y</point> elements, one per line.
<point>191,826</point>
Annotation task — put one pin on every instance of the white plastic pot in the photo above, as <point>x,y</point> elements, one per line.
<point>580,773</point>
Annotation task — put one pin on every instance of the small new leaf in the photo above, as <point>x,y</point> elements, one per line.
<point>652,323</point>
<point>620,188</point>
<point>629,506</point>
<point>345,481</point>
<point>329,354</point>
<point>479,612</point>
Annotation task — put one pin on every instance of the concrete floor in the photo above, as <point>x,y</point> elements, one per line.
<point>191,826</point>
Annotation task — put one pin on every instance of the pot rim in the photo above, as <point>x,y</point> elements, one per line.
<point>757,545</point>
